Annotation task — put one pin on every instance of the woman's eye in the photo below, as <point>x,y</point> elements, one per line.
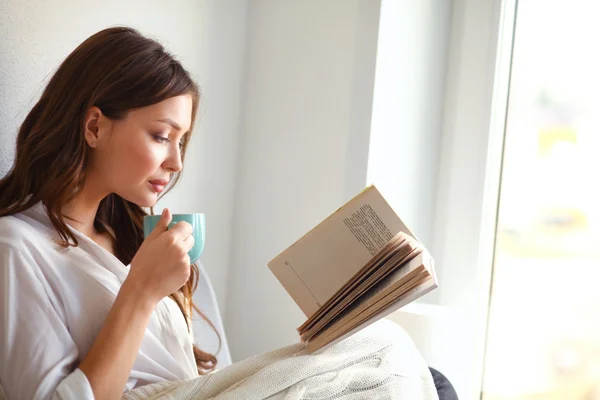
<point>161,139</point>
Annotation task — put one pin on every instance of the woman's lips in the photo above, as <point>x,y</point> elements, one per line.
<point>158,185</point>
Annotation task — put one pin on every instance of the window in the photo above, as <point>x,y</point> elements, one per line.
<point>543,336</point>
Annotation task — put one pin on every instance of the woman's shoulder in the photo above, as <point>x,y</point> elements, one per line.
<point>13,227</point>
<point>23,243</point>
<point>21,229</point>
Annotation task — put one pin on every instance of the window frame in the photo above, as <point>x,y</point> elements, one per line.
<point>475,107</point>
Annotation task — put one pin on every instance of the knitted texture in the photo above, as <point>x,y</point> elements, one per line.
<point>380,362</point>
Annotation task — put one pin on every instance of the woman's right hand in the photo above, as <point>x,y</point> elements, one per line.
<point>161,265</point>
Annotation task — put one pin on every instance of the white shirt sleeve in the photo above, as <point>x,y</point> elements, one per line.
<point>38,357</point>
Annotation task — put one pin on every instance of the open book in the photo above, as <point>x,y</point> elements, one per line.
<point>354,268</point>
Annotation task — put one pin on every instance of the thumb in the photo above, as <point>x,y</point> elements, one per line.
<point>162,224</point>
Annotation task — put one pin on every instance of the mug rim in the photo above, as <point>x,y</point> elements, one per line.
<point>173,215</point>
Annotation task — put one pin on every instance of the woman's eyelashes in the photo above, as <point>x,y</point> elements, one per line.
<point>163,140</point>
<point>160,139</point>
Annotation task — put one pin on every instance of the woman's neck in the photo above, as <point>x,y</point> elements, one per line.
<point>80,212</point>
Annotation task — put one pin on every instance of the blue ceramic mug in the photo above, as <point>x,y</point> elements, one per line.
<point>199,230</point>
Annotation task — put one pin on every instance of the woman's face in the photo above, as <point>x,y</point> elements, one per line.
<point>135,157</point>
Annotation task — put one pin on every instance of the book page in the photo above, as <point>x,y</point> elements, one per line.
<point>363,310</point>
<point>318,346</point>
<point>317,265</point>
<point>371,294</point>
<point>319,343</point>
<point>399,261</point>
<point>386,253</point>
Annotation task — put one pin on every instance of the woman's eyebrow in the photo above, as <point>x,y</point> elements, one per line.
<point>170,122</point>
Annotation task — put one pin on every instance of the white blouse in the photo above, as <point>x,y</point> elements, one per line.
<point>54,302</point>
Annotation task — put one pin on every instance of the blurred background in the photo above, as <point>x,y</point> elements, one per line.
<point>306,102</point>
<point>544,327</point>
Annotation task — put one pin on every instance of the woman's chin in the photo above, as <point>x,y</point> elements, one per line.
<point>148,202</point>
<point>143,200</point>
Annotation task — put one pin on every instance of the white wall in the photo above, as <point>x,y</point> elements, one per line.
<point>208,36</point>
<point>303,149</point>
<point>208,182</point>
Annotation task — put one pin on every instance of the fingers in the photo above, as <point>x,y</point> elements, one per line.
<point>188,243</point>
<point>162,224</point>
<point>181,230</point>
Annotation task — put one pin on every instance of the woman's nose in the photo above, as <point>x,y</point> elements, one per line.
<point>173,163</point>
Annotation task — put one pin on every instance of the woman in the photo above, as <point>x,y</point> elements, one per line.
<point>90,308</point>
<point>107,137</point>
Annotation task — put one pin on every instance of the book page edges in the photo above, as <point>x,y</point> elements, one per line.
<point>426,287</point>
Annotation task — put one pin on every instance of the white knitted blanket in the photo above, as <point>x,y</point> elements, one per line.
<point>380,362</point>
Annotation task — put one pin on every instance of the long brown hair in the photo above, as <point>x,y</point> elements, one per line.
<point>116,70</point>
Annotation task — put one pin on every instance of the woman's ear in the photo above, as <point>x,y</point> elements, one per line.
<point>94,127</point>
